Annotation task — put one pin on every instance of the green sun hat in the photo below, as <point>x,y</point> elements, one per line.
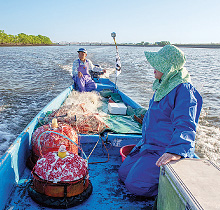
<point>170,61</point>
<point>166,57</point>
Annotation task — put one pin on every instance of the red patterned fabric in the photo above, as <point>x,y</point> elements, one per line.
<point>50,142</point>
<point>53,168</point>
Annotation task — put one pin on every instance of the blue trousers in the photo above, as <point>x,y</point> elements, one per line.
<point>140,173</point>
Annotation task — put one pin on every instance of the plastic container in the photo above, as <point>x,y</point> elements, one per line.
<point>125,150</point>
<point>117,108</point>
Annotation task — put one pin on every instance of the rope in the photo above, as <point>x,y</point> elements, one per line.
<point>106,150</point>
<point>94,148</point>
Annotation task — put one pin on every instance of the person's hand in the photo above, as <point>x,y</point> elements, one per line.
<point>80,74</point>
<point>166,158</point>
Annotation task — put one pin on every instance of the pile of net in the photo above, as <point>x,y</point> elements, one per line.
<point>80,110</point>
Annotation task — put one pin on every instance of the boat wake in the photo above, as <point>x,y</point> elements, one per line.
<point>5,138</point>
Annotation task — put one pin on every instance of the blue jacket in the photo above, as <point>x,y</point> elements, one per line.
<point>170,124</point>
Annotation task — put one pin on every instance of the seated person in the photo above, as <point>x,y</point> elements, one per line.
<point>81,75</point>
<point>169,125</point>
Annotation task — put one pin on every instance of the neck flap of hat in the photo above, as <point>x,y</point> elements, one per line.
<point>170,61</point>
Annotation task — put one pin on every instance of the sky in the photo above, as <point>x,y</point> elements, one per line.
<point>182,22</point>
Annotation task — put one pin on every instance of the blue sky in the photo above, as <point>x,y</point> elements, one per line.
<point>189,21</point>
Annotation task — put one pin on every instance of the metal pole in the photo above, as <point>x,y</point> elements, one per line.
<point>118,66</point>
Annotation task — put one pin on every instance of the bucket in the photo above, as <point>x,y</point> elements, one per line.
<point>125,150</point>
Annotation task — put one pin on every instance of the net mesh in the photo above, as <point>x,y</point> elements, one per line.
<point>81,111</point>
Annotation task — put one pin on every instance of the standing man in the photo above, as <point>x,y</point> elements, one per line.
<point>81,76</point>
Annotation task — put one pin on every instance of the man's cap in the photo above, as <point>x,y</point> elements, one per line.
<point>82,50</point>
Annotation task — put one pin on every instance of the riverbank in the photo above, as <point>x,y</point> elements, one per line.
<point>26,45</point>
<point>154,45</point>
<point>177,45</point>
<point>126,45</point>
<point>198,45</point>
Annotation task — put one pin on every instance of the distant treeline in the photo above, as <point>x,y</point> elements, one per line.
<point>23,39</point>
<point>161,43</point>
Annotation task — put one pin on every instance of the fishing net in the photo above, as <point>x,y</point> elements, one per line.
<point>87,113</point>
<point>80,110</point>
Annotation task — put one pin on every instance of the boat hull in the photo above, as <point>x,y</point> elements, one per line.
<point>13,162</point>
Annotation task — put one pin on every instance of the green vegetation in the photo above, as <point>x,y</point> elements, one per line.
<point>23,39</point>
<point>162,43</point>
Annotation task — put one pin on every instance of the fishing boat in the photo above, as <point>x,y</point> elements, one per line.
<point>107,191</point>
<point>103,151</point>
<point>68,156</point>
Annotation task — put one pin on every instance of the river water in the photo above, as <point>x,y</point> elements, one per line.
<point>33,76</point>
